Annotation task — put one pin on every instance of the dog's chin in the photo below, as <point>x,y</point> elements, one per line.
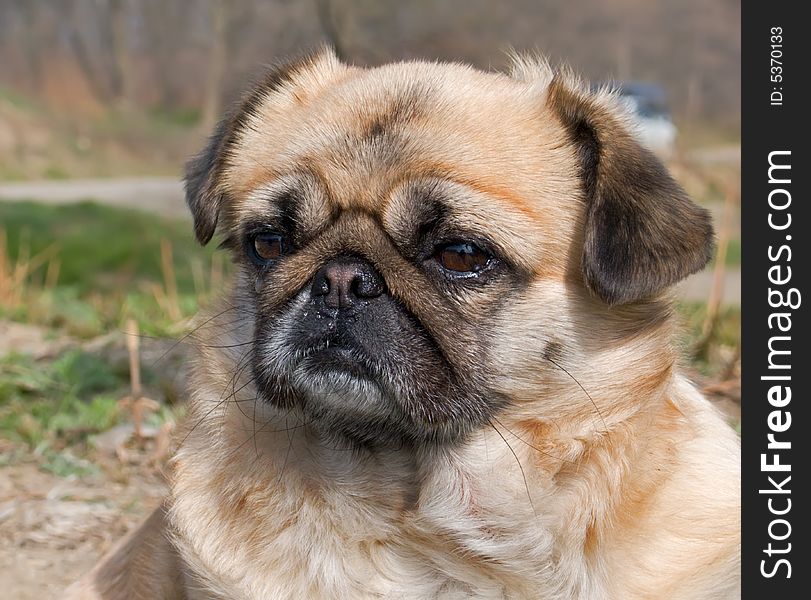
<point>332,381</point>
<point>342,399</point>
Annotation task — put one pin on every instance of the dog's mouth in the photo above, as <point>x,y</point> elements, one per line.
<point>334,355</point>
<point>338,358</point>
<point>338,370</point>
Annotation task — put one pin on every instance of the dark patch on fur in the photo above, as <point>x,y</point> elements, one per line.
<point>203,172</point>
<point>642,231</point>
<point>376,129</point>
<point>201,195</point>
<point>287,205</point>
<point>403,109</point>
<point>553,351</point>
<point>428,215</point>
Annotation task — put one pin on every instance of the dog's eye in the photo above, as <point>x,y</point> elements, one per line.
<point>462,258</point>
<point>267,247</point>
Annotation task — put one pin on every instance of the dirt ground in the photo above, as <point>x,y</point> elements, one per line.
<point>53,529</point>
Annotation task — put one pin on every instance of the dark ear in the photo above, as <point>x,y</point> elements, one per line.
<point>202,174</point>
<point>642,231</point>
<point>204,194</point>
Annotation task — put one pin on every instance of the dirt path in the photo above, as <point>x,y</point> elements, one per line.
<point>697,287</point>
<point>161,195</point>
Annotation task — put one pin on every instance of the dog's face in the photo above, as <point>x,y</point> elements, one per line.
<point>422,245</point>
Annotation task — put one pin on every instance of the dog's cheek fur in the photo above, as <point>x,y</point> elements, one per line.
<point>558,349</point>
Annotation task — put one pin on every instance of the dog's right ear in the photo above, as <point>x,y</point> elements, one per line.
<point>205,194</point>
<point>202,175</point>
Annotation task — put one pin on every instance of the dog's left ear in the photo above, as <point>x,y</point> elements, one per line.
<point>642,232</point>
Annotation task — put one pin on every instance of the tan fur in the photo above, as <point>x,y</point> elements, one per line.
<point>623,484</point>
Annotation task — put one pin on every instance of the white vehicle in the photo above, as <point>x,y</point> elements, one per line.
<point>647,103</point>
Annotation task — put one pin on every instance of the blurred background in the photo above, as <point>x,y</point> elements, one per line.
<point>101,102</point>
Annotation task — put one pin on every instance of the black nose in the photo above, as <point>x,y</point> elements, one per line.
<point>344,280</point>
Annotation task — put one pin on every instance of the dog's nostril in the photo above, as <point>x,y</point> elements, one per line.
<point>320,285</point>
<point>367,285</point>
<point>344,280</point>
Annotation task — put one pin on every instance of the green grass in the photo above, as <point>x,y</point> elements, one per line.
<point>53,402</point>
<point>55,172</point>
<point>15,99</point>
<point>100,247</point>
<point>728,329</point>
<point>109,267</point>
<point>74,395</point>
<point>179,117</point>
<point>109,264</point>
<point>66,464</point>
<point>733,257</point>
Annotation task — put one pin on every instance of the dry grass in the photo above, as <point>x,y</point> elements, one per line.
<point>17,276</point>
<point>28,280</point>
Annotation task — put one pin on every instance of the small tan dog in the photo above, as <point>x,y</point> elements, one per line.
<point>447,367</point>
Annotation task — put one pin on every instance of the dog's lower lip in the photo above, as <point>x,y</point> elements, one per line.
<point>338,357</point>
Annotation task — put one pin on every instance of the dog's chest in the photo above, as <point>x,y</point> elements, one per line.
<point>445,547</point>
<point>417,562</point>
<point>467,529</point>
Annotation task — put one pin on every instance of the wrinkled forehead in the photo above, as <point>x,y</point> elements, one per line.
<point>367,137</point>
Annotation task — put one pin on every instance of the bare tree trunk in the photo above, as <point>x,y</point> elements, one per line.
<point>323,9</point>
<point>82,57</point>
<point>219,56</point>
<point>122,59</point>
<point>31,46</point>
<point>105,66</point>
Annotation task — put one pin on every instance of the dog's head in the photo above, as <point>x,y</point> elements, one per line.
<point>422,245</point>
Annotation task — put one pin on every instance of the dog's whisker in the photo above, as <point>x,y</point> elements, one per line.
<point>573,378</point>
<point>287,453</point>
<point>263,430</point>
<point>253,423</point>
<point>226,346</point>
<point>246,363</point>
<point>520,467</point>
<point>217,404</point>
<point>520,439</point>
<point>189,334</point>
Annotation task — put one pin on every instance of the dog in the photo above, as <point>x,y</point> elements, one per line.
<point>447,368</point>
